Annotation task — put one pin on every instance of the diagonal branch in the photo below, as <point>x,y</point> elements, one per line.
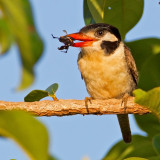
<point>72,107</point>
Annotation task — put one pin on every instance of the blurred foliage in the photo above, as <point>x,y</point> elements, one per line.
<point>87,14</point>
<point>139,147</point>
<point>147,56</point>
<point>122,14</point>
<point>52,158</point>
<point>37,95</point>
<point>153,124</point>
<point>5,36</point>
<point>17,26</point>
<point>28,132</point>
<point>156,143</point>
<point>135,158</point>
<point>150,99</point>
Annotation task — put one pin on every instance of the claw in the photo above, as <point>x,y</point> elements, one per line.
<point>124,100</point>
<point>87,99</point>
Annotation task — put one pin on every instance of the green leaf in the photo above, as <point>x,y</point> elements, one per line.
<point>147,57</point>
<point>28,132</point>
<point>27,78</point>
<point>35,95</point>
<point>19,17</point>
<point>87,14</point>
<point>96,8</point>
<point>139,147</point>
<point>136,158</point>
<point>154,158</point>
<point>52,89</point>
<point>140,93</point>
<point>144,48</point>
<point>122,14</point>
<point>156,143</point>
<point>150,73</point>
<point>150,99</point>
<point>148,123</point>
<point>5,36</point>
<point>52,158</point>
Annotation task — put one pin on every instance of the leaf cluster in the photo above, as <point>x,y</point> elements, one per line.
<point>17,27</point>
<point>28,132</point>
<point>145,147</point>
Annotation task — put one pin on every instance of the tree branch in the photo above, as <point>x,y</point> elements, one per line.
<point>72,107</point>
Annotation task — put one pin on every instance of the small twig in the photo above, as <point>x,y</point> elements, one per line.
<point>72,107</point>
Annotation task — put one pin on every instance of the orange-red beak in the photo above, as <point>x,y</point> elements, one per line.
<point>87,41</point>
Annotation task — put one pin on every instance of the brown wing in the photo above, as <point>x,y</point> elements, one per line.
<point>79,57</point>
<point>131,64</point>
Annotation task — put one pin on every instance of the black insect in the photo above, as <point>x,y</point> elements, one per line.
<point>68,41</point>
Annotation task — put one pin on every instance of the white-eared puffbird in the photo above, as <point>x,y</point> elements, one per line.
<point>107,66</point>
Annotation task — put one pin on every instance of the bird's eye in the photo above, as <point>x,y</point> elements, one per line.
<point>99,33</point>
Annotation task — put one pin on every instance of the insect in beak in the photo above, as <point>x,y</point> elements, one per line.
<point>68,41</point>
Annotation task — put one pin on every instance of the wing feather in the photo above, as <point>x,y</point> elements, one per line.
<point>79,57</point>
<point>131,64</point>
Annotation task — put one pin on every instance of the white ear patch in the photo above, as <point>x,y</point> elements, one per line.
<point>109,37</point>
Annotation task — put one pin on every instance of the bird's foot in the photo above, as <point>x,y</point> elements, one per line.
<point>87,99</point>
<point>124,101</point>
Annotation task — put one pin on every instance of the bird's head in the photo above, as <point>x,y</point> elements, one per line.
<point>98,36</point>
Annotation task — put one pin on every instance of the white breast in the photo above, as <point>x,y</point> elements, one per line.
<point>106,76</point>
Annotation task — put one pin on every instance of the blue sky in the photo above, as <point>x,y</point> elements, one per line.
<point>71,137</point>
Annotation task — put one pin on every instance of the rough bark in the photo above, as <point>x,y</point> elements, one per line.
<point>72,107</point>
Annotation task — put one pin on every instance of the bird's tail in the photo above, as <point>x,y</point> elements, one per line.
<point>125,127</point>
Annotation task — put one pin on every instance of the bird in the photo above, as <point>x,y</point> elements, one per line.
<point>107,67</point>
